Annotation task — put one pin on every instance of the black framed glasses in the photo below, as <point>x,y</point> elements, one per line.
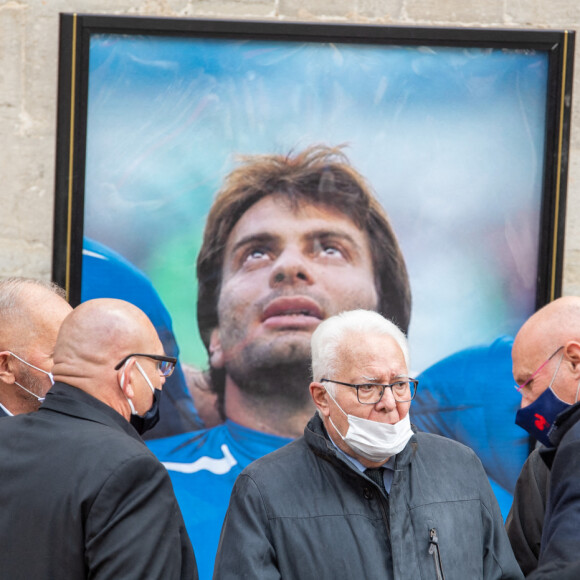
<point>165,364</point>
<point>371,393</point>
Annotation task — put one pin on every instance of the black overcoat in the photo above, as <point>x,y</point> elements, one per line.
<point>83,497</point>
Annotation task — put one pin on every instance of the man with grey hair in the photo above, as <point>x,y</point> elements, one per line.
<point>362,494</point>
<point>31,312</point>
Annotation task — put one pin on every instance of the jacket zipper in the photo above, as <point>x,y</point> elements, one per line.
<point>434,551</point>
<point>384,503</point>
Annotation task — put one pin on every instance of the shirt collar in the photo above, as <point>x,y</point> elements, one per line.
<point>388,465</point>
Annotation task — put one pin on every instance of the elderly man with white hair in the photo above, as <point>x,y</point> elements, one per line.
<point>361,494</point>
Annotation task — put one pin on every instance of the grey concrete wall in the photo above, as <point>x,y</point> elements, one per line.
<point>28,74</point>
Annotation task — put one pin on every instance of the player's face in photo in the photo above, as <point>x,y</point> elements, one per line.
<point>285,270</point>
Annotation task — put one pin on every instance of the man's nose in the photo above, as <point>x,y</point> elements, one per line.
<point>291,267</point>
<point>387,401</point>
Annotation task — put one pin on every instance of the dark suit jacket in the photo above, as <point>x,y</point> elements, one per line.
<point>83,497</point>
<point>559,549</point>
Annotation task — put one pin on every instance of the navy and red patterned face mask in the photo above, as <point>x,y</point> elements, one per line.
<point>538,417</point>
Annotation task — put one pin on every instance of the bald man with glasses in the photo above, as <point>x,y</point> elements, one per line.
<point>81,495</point>
<point>543,524</point>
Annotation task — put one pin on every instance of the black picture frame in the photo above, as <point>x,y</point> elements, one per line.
<point>77,29</point>
<point>553,51</point>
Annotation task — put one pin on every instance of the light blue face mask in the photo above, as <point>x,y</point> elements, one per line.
<point>40,399</point>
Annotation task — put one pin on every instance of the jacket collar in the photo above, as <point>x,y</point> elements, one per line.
<point>69,400</point>
<point>563,423</point>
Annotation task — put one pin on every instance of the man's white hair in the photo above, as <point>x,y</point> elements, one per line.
<point>334,331</point>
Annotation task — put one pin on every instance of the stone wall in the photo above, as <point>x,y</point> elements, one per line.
<point>28,74</point>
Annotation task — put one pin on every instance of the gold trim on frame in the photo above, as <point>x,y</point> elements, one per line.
<point>559,170</point>
<point>71,157</point>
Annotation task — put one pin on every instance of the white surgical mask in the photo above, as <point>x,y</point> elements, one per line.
<point>373,440</point>
<point>40,399</point>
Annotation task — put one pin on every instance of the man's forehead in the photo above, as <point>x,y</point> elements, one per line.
<point>530,349</point>
<point>521,349</point>
<point>363,351</point>
<point>262,216</point>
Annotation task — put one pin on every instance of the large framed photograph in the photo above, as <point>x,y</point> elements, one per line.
<point>460,134</point>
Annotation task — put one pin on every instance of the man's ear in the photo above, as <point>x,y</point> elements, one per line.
<point>124,378</point>
<point>572,352</point>
<point>320,397</point>
<point>216,354</point>
<point>6,371</point>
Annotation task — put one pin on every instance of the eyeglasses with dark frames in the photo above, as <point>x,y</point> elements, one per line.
<point>371,393</point>
<point>165,364</point>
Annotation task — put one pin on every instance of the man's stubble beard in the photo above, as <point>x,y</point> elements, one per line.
<point>33,384</point>
<point>274,374</point>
